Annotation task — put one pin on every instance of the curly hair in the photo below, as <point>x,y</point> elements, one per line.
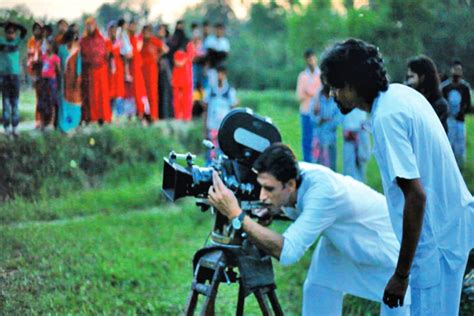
<point>357,64</point>
<point>278,160</point>
<point>429,86</point>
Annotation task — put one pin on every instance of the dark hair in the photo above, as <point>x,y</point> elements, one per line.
<point>148,27</point>
<point>178,41</point>
<point>357,64</point>
<point>222,68</point>
<point>205,23</point>
<point>69,36</point>
<point>36,25</point>
<point>308,53</point>
<point>48,28</point>
<point>194,25</point>
<point>279,161</point>
<point>456,62</point>
<point>219,25</point>
<point>61,21</point>
<point>120,22</point>
<point>424,66</point>
<point>10,26</point>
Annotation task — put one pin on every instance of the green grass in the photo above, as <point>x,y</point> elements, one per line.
<point>119,248</point>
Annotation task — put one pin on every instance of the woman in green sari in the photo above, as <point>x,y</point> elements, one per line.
<point>69,116</point>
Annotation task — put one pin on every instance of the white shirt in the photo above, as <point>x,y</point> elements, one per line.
<point>410,143</point>
<point>358,250</point>
<point>219,44</point>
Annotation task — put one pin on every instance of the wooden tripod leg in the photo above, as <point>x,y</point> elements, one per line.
<point>275,304</point>
<point>192,301</point>
<point>208,308</point>
<point>241,301</point>
<point>262,302</point>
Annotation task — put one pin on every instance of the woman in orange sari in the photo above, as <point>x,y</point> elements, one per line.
<point>182,79</point>
<point>95,85</point>
<point>151,52</point>
<point>137,85</point>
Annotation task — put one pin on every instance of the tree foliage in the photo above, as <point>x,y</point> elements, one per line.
<point>267,46</point>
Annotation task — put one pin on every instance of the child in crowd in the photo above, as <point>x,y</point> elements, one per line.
<point>326,121</point>
<point>10,74</point>
<point>48,103</point>
<point>126,50</point>
<point>219,100</point>
<point>356,150</point>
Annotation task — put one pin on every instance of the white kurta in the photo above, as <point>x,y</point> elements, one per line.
<point>358,250</point>
<point>410,143</point>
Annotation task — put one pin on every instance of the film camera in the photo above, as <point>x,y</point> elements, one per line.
<point>242,137</point>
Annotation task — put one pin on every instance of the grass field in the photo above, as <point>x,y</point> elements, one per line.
<point>119,248</point>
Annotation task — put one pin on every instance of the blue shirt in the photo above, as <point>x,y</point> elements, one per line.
<point>10,56</point>
<point>327,120</point>
<point>219,103</point>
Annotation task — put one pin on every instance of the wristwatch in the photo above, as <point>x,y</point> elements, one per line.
<point>237,221</point>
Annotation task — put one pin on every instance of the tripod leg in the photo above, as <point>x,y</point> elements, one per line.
<point>209,303</point>
<point>241,301</point>
<point>262,302</point>
<point>192,301</point>
<point>275,304</point>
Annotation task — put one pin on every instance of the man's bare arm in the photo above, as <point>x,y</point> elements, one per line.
<point>413,213</point>
<point>265,239</point>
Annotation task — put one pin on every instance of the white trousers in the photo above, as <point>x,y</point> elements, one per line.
<point>320,300</point>
<point>442,299</point>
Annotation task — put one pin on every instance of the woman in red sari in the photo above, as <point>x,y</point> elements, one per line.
<point>95,85</point>
<point>137,85</point>
<point>116,70</point>
<point>151,52</point>
<point>182,79</point>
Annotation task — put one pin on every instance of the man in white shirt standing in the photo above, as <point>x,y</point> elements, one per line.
<point>217,49</point>
<point>357,250</point>
<point>430,206</point>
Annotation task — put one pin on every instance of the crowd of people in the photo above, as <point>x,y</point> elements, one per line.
<point>119,74</point>
<point>320,116</point>
<point>408,249</point>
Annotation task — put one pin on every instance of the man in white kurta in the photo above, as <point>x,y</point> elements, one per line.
<point>430,207</point>
<point>410,143</point>
<point>357,250</point>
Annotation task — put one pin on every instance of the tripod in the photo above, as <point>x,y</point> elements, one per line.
<point>216,266</point>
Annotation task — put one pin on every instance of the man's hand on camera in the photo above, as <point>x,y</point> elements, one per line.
<point>222,198</point>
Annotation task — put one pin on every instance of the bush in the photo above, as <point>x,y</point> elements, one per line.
<point>53,163</point>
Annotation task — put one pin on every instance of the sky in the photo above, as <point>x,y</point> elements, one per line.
<point>170,10</point>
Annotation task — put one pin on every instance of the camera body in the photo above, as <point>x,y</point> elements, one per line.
<point>242,137</point>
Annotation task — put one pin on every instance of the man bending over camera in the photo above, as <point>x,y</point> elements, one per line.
<point>357,251</point>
